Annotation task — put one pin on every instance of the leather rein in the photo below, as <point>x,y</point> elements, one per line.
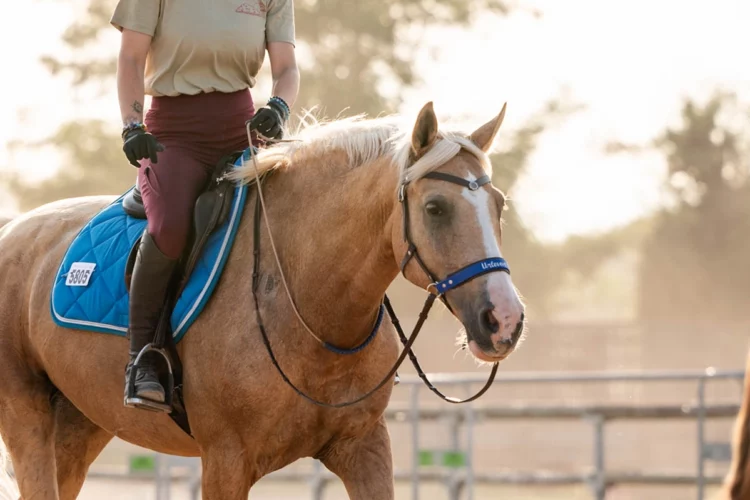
<point>436,289</point>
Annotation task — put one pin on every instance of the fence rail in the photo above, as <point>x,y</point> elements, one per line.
<point>463,479</point>
<point>403,413</point>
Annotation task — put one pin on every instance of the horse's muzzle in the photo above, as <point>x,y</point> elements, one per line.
<point>495,341</point>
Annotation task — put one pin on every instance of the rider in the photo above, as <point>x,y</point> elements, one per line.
<point>198,61</point>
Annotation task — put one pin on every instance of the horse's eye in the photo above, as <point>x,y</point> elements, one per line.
<point>434,209</point>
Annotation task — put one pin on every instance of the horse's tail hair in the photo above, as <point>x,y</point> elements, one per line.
<point>8,488</point>
<point>737,482</point>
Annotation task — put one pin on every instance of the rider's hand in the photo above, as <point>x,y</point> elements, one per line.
<point>269,120</point>
<point>140,144</point>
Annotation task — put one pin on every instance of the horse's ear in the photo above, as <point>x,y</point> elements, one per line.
<point>484,136</point>
<point>425,130</point>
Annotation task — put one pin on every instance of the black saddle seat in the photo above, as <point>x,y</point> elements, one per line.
<point>210,211</point>
<point>132,203</point>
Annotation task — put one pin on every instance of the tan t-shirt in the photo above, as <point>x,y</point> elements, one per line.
<point>205,45</point>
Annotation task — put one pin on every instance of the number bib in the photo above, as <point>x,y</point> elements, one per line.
<point>79,274</point>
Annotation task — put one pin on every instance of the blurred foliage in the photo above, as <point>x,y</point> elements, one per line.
<point>348,50</point>
<point>348,47</point>
<point>694,263</point>
<point>93,165</point>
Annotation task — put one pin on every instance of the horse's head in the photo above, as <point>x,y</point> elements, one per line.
<point>452,232</point>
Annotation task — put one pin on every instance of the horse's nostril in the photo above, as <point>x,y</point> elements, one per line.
<point>489,322</point>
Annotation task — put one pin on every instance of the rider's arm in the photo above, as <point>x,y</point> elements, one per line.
<point>284,71</point>
<point>131,64</point>
<point>137,20</point>
<point>280,43</point>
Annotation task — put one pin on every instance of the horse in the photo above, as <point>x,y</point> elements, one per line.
<point>736,485</point>
<point>8,490</point>
<point>337,227</point>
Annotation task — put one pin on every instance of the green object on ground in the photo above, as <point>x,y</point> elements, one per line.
<point>142,463</point>
<point>445,458</point>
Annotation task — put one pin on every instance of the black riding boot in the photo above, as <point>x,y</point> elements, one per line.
<point>148,288</point>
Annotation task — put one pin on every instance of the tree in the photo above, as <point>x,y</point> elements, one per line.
<point>694,263</point>
<point>348,49</point>
<point>92,166</point>
<point>351,49</point>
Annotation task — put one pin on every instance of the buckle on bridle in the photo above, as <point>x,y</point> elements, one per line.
<point>434,290</point>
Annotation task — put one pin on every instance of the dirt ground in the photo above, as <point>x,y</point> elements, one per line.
<point>144,490</point>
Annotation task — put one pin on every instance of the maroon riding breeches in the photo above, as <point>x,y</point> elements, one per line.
<point>196,132</point>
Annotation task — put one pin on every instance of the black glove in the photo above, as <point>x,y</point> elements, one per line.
<point>269,120</point>
<point>140,144</point>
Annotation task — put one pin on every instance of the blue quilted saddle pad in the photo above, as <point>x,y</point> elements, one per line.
<point>89,289</point>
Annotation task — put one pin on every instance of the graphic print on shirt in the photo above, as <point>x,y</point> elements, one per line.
<point>253,8</point>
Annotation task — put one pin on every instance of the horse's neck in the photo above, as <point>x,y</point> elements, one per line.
<point>334,241</point>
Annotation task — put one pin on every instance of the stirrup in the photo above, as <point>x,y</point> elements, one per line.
<point>133,401</point>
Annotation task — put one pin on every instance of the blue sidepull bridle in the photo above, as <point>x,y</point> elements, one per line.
<point>463,275</point>
<point>436,289</point>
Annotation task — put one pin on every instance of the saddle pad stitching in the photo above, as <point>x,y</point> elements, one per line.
<point>62,320</point>
<point>115,304</point>
<point>92,251</point>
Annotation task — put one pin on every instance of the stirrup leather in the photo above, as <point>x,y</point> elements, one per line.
<point>133,401</point>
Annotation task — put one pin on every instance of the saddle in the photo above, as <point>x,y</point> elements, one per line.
<point>211,210</point>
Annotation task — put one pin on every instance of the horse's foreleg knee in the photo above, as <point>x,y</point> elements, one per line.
<point>365,464</point>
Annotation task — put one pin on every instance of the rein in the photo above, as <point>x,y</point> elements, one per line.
<point>436,290</point>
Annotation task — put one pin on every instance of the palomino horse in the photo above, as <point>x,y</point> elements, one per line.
<point>737,482</point>
<point>332,201</point>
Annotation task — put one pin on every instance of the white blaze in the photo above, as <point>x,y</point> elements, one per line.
<point>500,287</point>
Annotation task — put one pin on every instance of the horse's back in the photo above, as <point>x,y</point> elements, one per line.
<point>52,221</point>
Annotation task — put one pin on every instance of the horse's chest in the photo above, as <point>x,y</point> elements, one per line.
<point>296,428</point>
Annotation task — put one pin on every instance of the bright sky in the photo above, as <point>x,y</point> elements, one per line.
<point>630,63</point>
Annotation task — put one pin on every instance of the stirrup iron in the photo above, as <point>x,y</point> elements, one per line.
<point>133,401</point>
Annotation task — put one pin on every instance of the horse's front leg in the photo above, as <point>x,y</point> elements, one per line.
<point>365,465</point>
<point>227,474</point>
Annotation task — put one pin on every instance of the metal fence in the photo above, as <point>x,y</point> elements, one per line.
<point>454,468</point>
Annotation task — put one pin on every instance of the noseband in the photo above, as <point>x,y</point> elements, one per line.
<point>463,275</point>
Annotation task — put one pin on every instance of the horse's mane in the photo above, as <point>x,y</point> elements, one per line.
<point>363,140</point>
